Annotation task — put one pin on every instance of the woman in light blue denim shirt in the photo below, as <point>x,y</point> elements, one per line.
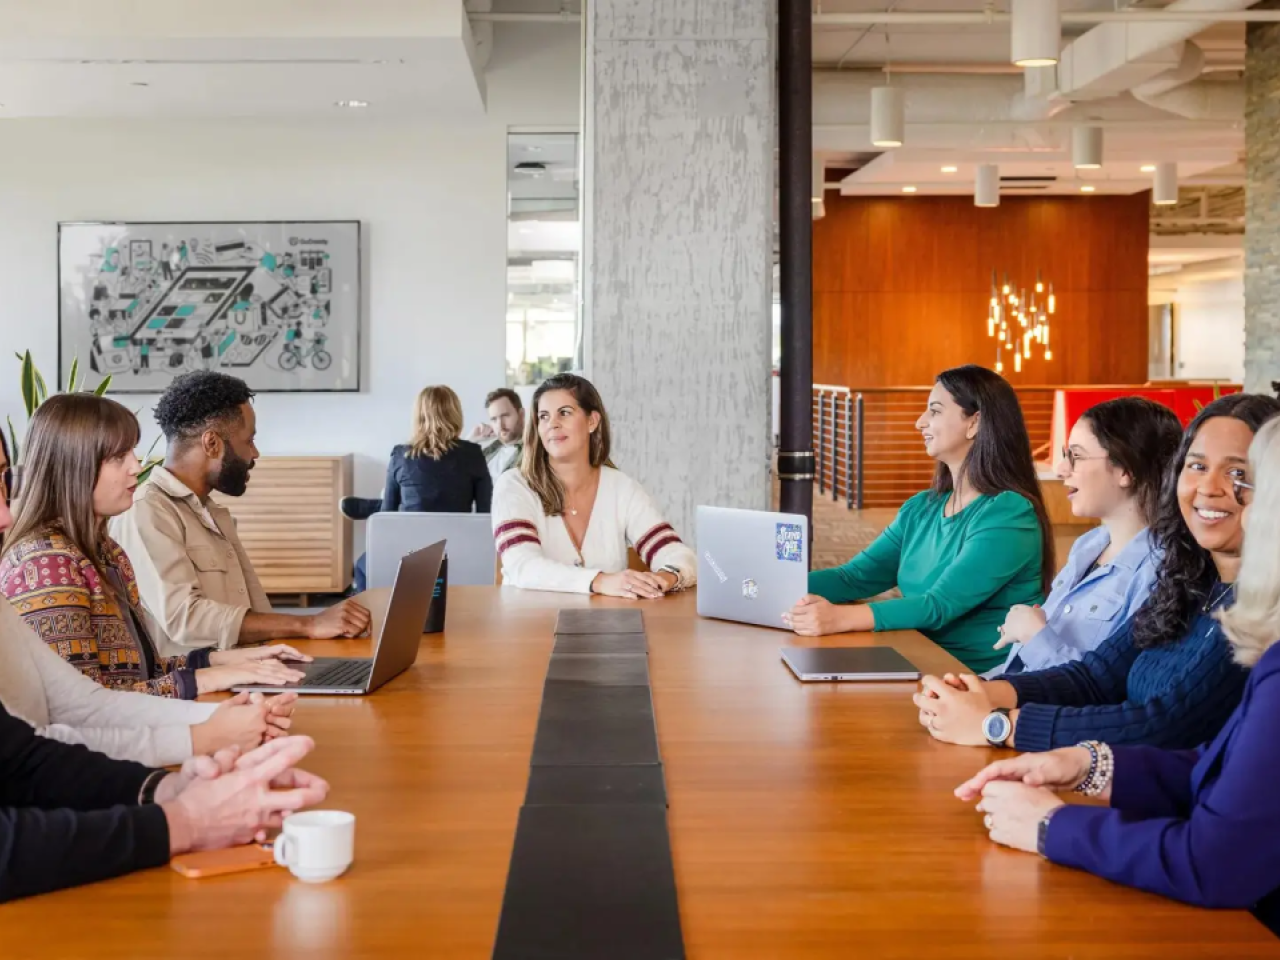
<point>1112,469</point>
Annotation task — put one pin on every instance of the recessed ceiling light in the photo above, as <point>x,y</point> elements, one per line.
<point>1088,188</point>
<point>908,189</point>
<point>949,169</point>
<point>1148,168</point>
<point>352,104</point>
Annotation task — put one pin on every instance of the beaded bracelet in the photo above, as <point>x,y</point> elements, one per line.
<point>1101,767</point>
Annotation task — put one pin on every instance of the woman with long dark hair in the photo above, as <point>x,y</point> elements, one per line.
<point>73,584</point>
<point>565,519</point>
<point>961,553</point>
<point>1169,679</point>
<point>1202,825</point>
<point>1112,468</point>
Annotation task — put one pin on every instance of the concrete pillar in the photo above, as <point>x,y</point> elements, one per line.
<point>677,269</point>
<point>1262,211</point>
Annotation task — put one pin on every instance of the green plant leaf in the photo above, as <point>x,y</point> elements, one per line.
<point>102,387</point>
<point>42,391</point>
<point>71,380</point>
<point>14,451</point>
<point>150,464</point>
<point>29,385</point>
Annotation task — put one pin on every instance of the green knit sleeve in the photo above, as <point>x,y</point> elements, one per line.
<point>1002,540</point>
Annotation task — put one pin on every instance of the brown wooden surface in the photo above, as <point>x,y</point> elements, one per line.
<point>901,286</point>
<point>289,523</point>
<point>806,821</point>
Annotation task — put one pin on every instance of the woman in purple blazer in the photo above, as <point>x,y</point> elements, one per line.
<point>1203,825</point>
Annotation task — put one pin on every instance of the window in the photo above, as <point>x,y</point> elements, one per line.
<point>543,246</point>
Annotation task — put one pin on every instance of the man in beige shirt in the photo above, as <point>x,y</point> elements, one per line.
<point>197,585</point>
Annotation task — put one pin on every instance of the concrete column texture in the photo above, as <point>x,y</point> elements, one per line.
<point>1262,210</point>
<point>679,138</point>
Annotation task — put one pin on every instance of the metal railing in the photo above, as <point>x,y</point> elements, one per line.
<point>868,452</point>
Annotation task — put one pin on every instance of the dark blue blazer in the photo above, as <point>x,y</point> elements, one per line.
<point>455,483</point>
<point>1201,826</point>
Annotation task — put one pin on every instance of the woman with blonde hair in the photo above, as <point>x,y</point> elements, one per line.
<point>565,519</point>
<point>436,471</point>
<point>1202,825</point>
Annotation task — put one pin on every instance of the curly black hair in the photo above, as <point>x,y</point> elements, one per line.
<point>1187,573</point>
<point>197,401</point>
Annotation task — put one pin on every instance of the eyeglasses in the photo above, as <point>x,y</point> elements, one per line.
<point>1238,487</point>
<point>1073,458</point>
<point>6,481</point>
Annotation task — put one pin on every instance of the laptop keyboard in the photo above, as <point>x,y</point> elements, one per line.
<point>344,673</point>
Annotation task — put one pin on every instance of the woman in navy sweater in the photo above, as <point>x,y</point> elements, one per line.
<point>1200,825</point>
<point>1168,679</point>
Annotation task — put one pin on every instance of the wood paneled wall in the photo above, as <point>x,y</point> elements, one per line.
<point>901,286</point>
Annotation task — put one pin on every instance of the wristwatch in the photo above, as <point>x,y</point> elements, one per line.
<point>1042,832</point>
<point>997,727</point>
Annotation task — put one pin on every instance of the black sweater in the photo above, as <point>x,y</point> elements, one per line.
<point>69,815</point>
<point>452,484</point>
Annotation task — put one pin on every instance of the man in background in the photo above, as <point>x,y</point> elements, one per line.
<point>502,438</point>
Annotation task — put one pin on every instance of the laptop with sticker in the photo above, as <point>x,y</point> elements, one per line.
<point>752,565</point>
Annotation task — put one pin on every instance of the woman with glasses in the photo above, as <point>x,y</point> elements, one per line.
<point>1168,679</point>
<point>1111,468</point>
<point>1201,826</point>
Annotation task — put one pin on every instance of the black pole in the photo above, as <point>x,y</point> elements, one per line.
<point>795,172</point>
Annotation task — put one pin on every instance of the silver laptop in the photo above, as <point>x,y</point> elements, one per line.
<point>472,558</point>
<point>752,566</point>
<point>848,663</point>
<point>397,644</point>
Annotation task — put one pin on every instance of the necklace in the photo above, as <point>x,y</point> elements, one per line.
<point>1217,598</point>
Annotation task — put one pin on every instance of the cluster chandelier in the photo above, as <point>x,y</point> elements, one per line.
<point>1016,319</point>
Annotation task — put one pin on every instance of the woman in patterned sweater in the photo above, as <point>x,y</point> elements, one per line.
<point>73,584</point>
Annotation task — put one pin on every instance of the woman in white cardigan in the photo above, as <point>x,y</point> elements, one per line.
<point>38,686</point>
<point>565,519</point>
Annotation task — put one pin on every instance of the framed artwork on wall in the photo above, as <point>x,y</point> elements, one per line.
<point>276,304</point>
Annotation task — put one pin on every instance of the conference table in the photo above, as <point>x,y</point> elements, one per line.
<point>806,820</point>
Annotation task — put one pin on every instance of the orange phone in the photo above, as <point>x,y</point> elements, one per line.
<point>214,863</point>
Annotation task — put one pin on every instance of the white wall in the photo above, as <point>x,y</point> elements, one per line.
<point>1209,338</point>
<point>432,200</point>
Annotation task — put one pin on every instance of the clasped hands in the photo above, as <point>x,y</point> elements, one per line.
<point>235,797</point>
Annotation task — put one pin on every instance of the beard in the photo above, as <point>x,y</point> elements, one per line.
<point>233,475</point>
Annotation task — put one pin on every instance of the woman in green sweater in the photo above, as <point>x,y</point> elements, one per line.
<point>962,552</point>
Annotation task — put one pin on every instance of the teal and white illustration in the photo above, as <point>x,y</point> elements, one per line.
<point>277,304</point>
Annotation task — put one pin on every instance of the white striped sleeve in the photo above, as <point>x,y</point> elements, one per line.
<point>655,540</point>
<point>516,517</point>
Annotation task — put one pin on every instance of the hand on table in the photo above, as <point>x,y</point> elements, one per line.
<point>236,722</point>
<point>633,585</point>
<point>1012,813</point>
<point>813,616</point>
<point>233,798</point>
<point>1062,769</point>
<point>953,708</point>
<point>1021,624</point>
<point>345,619</point>
<point>279,712</point>
<point>271,673</point>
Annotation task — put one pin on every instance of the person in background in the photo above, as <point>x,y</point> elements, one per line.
<point>69,816</point>
<point>38,686</point>
<point>74,586</point>
<point>1112,468</point>
<point>963,552</point>
<point>435,472</point>
<point>1199,825</point>
<point>1168,679</point>
<point>502,438</point>
<point>565,519</point>
<point>197,584</point>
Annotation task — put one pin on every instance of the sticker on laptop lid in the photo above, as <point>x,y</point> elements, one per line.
<point>750,590</point>
<point>790,542</point>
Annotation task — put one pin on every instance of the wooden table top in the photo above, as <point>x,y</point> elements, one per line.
<point>806,821</point>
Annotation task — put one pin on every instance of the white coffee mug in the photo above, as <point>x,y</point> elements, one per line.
<point>317,845</point>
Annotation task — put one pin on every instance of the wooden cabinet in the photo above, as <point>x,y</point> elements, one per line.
<point>289,522</point>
